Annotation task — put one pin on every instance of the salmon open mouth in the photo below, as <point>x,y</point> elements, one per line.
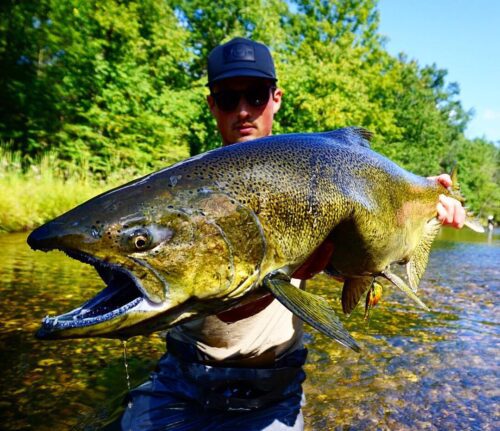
<point>122,293</point>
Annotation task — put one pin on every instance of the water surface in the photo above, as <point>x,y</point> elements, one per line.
<point>418,370</point>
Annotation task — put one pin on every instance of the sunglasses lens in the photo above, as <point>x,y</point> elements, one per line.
<point>227,100</point>
<point>257,96</point>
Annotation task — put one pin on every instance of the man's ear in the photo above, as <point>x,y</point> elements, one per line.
<point>211,103</point>
<point>278,93</point>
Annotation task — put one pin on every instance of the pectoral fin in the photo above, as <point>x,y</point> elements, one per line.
<point>311,309</point>
<point>415,267</point>
<point>400,284</point>
<point>353,291</point>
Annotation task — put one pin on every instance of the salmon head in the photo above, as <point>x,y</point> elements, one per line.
<point>168,250</point>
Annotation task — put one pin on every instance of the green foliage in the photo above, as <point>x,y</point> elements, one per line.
<point>121,84</point>
<point>478,175</point>
<point>102,81</point>
<point>46,189</point>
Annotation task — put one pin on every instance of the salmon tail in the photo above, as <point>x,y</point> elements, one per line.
<point>472,223</point>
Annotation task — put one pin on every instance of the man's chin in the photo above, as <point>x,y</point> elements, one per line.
<point>246,138</point>
<point>248,135</point>
<point>243,137</point>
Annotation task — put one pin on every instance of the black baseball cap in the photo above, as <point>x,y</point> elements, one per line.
<point>240,57</point>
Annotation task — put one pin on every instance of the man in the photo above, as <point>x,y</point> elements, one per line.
<point>241,369</point>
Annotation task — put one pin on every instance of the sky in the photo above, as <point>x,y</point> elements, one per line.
<point>462,36</point>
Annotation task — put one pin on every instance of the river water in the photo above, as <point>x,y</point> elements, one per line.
<point>435,370</point>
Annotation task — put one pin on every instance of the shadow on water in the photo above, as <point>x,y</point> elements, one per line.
<point>417,370</point>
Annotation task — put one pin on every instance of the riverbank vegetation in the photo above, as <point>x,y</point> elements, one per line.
<point>46,189</point>
<point>97,92</point>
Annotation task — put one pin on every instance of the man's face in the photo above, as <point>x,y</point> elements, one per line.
<point>246,121</point>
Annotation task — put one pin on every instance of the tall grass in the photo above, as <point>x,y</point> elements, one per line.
<point>32,196</point>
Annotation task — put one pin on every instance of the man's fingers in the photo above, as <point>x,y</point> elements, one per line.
<point>444,213</point>
<point>450,212</point>
<point>444,180</point>
<point>460,215</point>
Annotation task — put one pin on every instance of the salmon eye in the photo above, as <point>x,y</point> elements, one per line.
<point>141,239</point>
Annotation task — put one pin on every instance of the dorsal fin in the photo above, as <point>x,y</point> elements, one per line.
<point>351,136</point>
<point>415,267</point>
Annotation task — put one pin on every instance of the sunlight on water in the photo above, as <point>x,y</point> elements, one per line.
<point>418,370</point>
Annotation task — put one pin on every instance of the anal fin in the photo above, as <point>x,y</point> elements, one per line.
<point>312,309</point>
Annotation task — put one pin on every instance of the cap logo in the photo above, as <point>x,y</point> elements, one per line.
<point>238,52</point>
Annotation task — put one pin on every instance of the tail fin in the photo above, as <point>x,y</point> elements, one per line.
<point>473,224</point>
<point>470,221</point>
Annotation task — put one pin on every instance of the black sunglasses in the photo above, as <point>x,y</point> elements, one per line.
<point>228,100</point>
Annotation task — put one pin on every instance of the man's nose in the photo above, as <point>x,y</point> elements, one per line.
<point>243,109</point>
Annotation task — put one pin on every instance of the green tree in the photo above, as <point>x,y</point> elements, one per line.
<point>427,113</point>
<point>478,164</point>
<point>122,83</point>
<point>209,26</point>
<point>100,81</point>
<point>22,61</point>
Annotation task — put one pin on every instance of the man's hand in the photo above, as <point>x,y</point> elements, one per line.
<point>450,211</point>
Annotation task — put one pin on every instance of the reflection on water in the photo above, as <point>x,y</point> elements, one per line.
<point>418,370</point>
<point>53,385</point>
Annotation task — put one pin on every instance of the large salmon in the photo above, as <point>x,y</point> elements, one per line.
<point>193,239</point>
